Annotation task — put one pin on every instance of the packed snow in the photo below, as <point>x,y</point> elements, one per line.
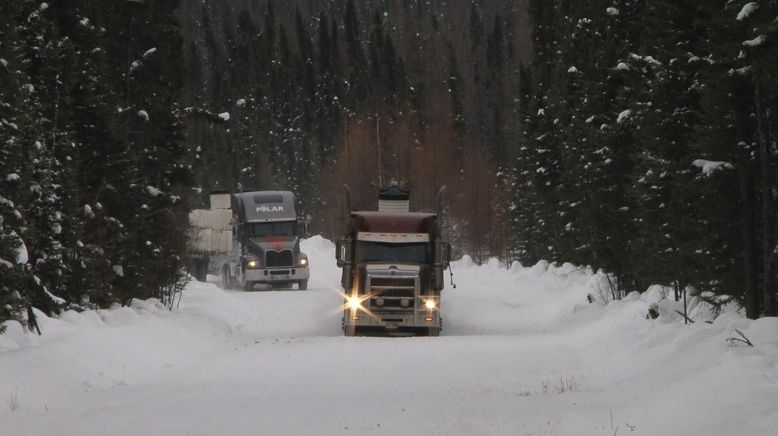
<point>523,352</point>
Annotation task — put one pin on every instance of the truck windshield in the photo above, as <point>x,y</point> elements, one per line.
<point>281,228</point>
<point>383,252</point>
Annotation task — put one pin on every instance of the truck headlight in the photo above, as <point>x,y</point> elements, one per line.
<point>354,303</point>
<point>252,264</point>
<point>429,304</point>
<point>302,261</point>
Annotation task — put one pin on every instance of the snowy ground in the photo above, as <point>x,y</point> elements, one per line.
<point>522,354</point>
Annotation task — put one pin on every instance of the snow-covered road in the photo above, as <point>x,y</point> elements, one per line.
<point>523,353</point>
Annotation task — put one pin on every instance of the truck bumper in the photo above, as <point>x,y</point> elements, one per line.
<point>391,321</point>
<point>274,275</point>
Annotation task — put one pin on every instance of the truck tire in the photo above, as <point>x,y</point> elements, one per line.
<point>202,273</point>
<point>249,286</point>
<point>226,281</point>
<point>199,269</point>
<point>302,285</point>
<point>350,331</point>
<point>433,331</point>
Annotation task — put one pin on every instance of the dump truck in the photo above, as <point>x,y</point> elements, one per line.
<point>392,263</point>
<point>250,238</point>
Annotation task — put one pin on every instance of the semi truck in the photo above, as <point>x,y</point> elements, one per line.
<point>251,238</point>
<point>392,263</point>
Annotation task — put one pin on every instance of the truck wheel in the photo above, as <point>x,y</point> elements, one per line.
<point>249,286</point>
<point>433,331</point>
<point>199,270</point>
<point>350,331</point>
<point>226,278</point>
<point>202,273</point>
<point>302,285</point>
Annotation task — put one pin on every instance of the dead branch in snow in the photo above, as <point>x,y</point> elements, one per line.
<point>742,339</point>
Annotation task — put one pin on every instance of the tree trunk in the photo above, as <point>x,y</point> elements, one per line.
<point>750,294</point>
<point>767,237</point>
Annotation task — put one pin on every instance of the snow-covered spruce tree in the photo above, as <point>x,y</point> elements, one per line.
<point>150,184</point>
<point>91,160</point>
<point>760,49</point>
<point>48,58</point>
<point>737,122</point>
<point>538,163</point>
<point>663,76</point>
<point>579,139</point>
<point>12,270</point>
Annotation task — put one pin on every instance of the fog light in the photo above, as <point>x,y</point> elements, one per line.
<point>428,319</point>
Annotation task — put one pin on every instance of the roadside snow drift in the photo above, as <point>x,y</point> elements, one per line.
<point>523,353</point>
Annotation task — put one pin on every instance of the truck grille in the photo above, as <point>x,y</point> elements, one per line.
<point>398,293</point>
<point>279,258</point>
<point>392,290</point>
<point>391,282</point>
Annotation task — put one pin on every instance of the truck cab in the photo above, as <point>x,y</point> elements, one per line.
<point>392,264</point>
<point>250,238</point>
<point>266,241</point>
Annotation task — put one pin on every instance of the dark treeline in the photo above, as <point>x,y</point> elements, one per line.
<point>649,149</point>
<point>322,93</point>
<point>633,136</point>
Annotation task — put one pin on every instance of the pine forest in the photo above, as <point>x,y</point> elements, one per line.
<point>636,137</point>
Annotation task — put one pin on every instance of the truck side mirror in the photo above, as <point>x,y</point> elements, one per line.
<point>306,230</point>
<point>339,253</point>
<point>442,257</point>
<point>343,251</point>
<point>442,253</point>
